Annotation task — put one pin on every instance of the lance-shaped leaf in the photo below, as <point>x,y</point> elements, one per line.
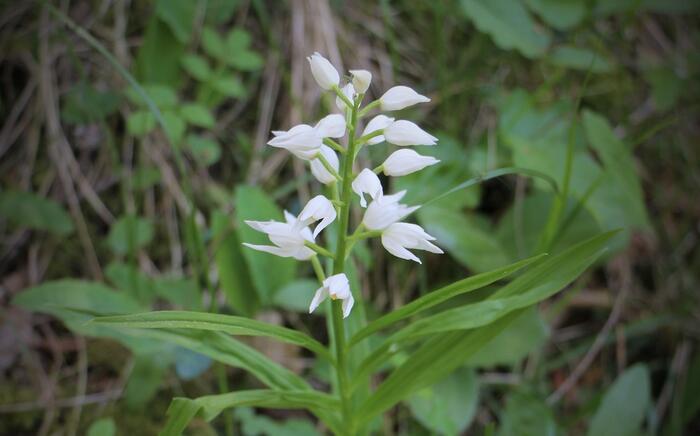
<point>234,325</point>
<point>182,410</point>
<point>436,297</point>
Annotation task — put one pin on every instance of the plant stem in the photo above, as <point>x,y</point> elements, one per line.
<point>318,249</point>
<point>339,267</point>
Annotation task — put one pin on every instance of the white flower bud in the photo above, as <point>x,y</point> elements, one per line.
<point>319,170</point>
<point>331,126</point>
<point>302,140</point>
<point>361,80</point>
<point>338,288</point>
<point>323,71</point>
<point>348,91</point>
<point>403,132</point>
<point>380,122</point>
<point>400,97</point>
<point>385,210</point>
<point>367,183</point>
<point>398,237</point>
<point>406,161</point>
<point>289,238</point>
<point>318,208</point>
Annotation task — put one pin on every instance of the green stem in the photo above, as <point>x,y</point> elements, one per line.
<point>318,269</point>
<point>318,249</point>
<point>339,267</point>
<point>363,140</point>
<point>334,145</point>
<point>344,97</point>
<point>369,107</point>
<point>327,165</point>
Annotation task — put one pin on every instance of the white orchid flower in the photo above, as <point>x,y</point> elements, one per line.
<point>361,80</point>
<point>406,161</point>
<point>319,170</point>
<point>367,183</point>
<point>380,122</point>
<point>331,126</point>
<point>400,97</point>
<point>403,132</point>
<point>289,238</point>
<point>385,210</point>
<point>399,237</point>
<point>349,92</point>
<point>338,288</point>
<point>303,141</point>
<point>323,71</point>
<point>318,208</point>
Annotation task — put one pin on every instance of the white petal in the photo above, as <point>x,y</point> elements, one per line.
<point>303,143</point>
<point>397,250</point>
<point>319,170</point>
<point>403,132</point>
<point>320,295</point>
<point>323,71</point>
<point>277,251</point>
<point>331,126</point>
<point>318,208</point>
<point>400,97</point>
<point>347,305</point>
<point>406,161</point>
<point>361,80</point>
<point>348,91</point>
<point>380,122</point>
<point>367,183</point>
<point>338,286</point>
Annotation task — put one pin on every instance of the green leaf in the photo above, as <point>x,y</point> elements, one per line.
<point>622,411</point>
<point>560,14</point>
<point>174,126</point>
<point>237,39</point>
<point>234,325</point>
<point>443,294</point>
<point>140,123</point>
<point>220,11</point>
<point>229,86</point>
<point>234,276</point>
<point>32,211</point>
<point>131,281</point>
<point>253,204</point>
<point>130,233</point>
<point>578,58</point>
<point>182,410</point>
<point>197,114</point>
<point>666,86</point>
<point>180,292</point>
<point>179,16</point>
<point>509,24</point>
<point>102,427</point>
<point>469,241</point>
<point>158,58</point>
<point>145,177</point>
<point>146,378</point>
<point>246,60</point>
<point>213,44</point>
<point>525,334</point>
<point>84,103</point>
<point>196,66</point>
<point>206,151</point>
<point>526,414</point>
<point>162,96</point>
<point>448,406</point>
<point>296,295</point>
<point>259,425</point>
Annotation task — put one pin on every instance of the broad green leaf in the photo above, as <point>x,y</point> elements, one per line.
<point>234,325</point>
<point>234,276</point>
<point>509,24</point>
<point>132,281</point>
<point>225,349</point>
<point>145,177</point>
<point>207,151</point>
<point>469,241</point>
<point>162,96</point>
<point>560,14</point>
<point>269,272</point>
<point>525,334</point>
<point>579,59</point>
<point>84,103</point>
<point>140,123</point>
<point>296,295</point>
<point>526,414</point>
<point>174,126</point>
<point>448,407</point>
<point>666,86</point>
<point>213,44</point>
<point>178,291</point>
<point>237,39</point>
<point>443,294</point>
<point>219,11</point>
<point>622,410</point>
<point>263,425</point>
<point>228,85</point>
<point>182,410</point>
<point>102,427</point>
<point>158,57</point>
<point>246,60</point>
<point>32,211</point>
<point>197,115</point>
<point>179,15</point>
<point>146,378</point>
<point>434,360</point>
<point>130,233</point>
<point>196,66</point>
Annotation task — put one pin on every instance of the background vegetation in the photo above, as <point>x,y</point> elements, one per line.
<point>109,206</point>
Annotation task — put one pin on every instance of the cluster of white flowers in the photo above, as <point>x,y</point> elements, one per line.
<point>317,145</point>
